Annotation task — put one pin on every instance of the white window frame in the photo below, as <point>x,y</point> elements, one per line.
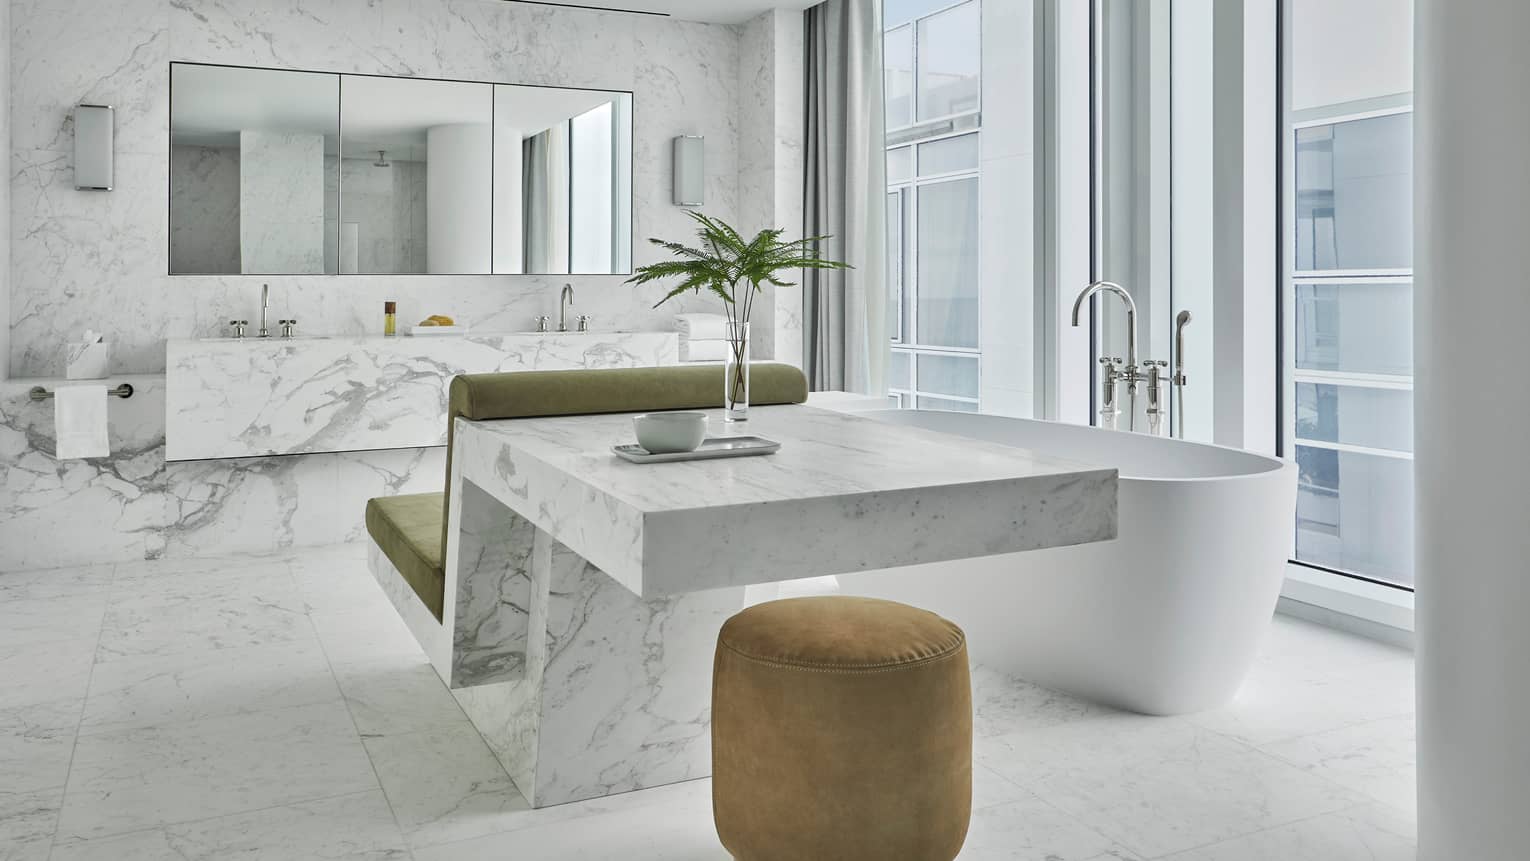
<point>907,136</point>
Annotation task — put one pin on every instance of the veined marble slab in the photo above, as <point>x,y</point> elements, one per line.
<point>255,397</point>
<point>844,494</point>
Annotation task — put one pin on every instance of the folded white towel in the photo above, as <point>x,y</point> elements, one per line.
<point>703,351</point>
<point>701,327</point>
<point>79,422</point>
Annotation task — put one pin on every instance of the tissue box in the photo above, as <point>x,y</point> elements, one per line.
<point>90,361</point>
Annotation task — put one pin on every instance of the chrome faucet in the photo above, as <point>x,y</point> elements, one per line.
<point>265,308</point>
<point>564,302</point>
<point>1131,372</point>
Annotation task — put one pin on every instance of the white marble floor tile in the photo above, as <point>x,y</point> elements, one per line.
<point>445,785</point>
<point>190,569</point>
<point>45,672</point>
<point>652,833</point>
<point>339,586</point>
<point>142,690</point>
<point>1378,758</point>
<point>55,582</point>
<point>390,696</point>
<point>1300,647</point>
<point>1161,785</point>
<point>1369,833</point>
<point>1003,704</point>
<point>1029,829</point>
<point>364,635</point>
<point>181,772</point>
<point>49,620</point>
<point>348,828</point>
<point>27,816</point>
<point>36,742</point>
<point>990,789</point>
<point>26,850</point>
<point>1282,700</point>
<point>214,613</point>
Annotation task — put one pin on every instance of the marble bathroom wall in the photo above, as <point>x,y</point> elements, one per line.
<point>99,261</point>
<point>772,126</point>
<point>204,210</point>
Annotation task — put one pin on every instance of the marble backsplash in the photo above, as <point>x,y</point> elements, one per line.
<point>99,260</point>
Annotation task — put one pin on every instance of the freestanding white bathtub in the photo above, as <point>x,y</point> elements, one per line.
<point>1167,618</point>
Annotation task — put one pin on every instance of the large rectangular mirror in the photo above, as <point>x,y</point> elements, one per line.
<point>251,156</point>
<point>562,181</point>
<point>300,173</point>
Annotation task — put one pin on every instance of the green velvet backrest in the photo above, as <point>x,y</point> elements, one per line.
<point>529,394</point>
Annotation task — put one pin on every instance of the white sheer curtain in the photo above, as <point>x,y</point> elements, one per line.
<point>845,313</point>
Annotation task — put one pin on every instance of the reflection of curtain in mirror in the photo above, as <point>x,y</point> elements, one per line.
<point>544,186</point>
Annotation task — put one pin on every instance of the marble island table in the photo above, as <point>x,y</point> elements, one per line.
<point>584,593</point>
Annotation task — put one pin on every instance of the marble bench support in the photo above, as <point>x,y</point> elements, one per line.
<point>482,640</point>
<point>633,570</point>
<point>617,690</point>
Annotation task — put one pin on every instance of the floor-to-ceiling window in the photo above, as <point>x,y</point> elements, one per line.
<point>1348,284</point>
<point>933,84</point>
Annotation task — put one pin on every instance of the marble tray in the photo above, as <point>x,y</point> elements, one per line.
<point>711,447</point>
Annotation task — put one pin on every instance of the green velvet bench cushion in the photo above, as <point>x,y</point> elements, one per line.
<point>408,531</point>
<point>398,524</point>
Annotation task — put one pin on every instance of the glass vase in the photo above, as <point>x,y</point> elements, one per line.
<point>736,374</point>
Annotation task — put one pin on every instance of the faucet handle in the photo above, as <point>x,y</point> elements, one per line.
<point>1150,363</point>
<point>239,327</point>
<point>543,321</point>
<point>287,327</point>
<point>584,322</point>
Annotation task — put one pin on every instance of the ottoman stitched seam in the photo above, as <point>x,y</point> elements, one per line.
<point>823,667</point>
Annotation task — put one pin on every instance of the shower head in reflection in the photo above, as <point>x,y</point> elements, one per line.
<point>382,159</point>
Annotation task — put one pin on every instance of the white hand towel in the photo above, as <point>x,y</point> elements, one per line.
<point>703,351</point>
<point>79,422</point>
<point>701,327</point>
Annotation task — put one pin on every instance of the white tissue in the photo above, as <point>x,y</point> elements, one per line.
<point>701,327</point>
<point>90,358</point>
<point>703,351</point>
<point>79,422</point>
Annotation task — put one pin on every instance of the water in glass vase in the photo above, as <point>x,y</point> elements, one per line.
<point>736,374</point>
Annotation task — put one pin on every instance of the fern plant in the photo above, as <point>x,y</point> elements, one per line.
<point>733,269</point>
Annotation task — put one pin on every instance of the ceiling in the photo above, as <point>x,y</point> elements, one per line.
<point>710,11</point>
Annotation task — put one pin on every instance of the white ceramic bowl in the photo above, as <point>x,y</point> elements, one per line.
<point>664,433</point>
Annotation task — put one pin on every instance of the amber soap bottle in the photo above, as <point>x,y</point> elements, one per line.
<point>390,318</point>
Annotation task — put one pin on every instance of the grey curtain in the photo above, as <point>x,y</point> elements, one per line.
<point>544,202</point>
<point>845,196</point>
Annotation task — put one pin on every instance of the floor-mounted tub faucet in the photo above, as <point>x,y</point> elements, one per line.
<point>1131,372</point>
<point>564,303</point>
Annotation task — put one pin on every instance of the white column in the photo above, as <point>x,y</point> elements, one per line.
<point>459,199</point>
<point>1244,262</point>
<point>1472,307</point>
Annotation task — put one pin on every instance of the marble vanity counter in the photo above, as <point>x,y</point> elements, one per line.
<point>227,398</point>
<point>844,494</point>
